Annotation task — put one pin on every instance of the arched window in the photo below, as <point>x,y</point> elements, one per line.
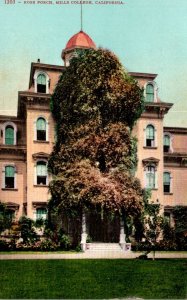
<point>9,177</point>
<point>9,135</point>
<point>150,136</point>
<point>41,83</point>
<point>41,129</point>
<point>149,93</point>
<point>167,182</point>
<point>166,143</point>
<point>41,213</point>
<point>41,173</point>
<point>150,177</point>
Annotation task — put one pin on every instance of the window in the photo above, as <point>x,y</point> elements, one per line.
<point>166,143</point>
<point>9,177</point>
<point>41,173</point>
<point>167,182</point>
<point>150,136</point>
<point>149,93</point>
<point>150,177</point>
<point>41,213</point>
<point>10,214</point>
<point>41,129</point>
<point>41,83</point>
<point>9,135</point>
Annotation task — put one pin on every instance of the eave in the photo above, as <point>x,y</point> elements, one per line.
<point>143,75</point>
<point>44,67</point>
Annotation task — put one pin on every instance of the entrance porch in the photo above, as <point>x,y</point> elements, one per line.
<point>103,233</point>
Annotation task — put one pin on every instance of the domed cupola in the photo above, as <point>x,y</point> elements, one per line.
<point>80,40</point>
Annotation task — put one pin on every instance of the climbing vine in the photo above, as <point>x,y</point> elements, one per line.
<point>95,105</point>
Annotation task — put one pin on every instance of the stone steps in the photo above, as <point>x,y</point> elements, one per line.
<point>103,247</point>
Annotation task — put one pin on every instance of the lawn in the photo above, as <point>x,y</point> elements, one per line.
<point>89,279</point>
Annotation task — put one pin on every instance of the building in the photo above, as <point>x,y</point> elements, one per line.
<point>27,140</point>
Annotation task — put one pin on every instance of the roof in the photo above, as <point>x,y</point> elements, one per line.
<point>80,40</point>
<point>143,75</point>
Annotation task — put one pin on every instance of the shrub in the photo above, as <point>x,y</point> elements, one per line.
<point>65,242</point>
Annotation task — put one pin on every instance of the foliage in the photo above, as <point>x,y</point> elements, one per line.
<point>27,230</point>
<point>95,105</point>
<point>178,234</point>
<point>5,219</point>
<point>65,242</point>
<point>96,86</point>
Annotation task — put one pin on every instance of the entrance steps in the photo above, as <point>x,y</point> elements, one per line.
<point>106,247</point>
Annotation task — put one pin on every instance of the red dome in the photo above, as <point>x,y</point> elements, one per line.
<point>80,40</point>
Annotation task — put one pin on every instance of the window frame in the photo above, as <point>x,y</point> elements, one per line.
<point>150,170</point>
<point>170,149</point>
<point>155,89</point>
<point>9,124</point>
<point>36,179</point>
<point>46,131</point>
<point>36,75</point>
<point>167,184</point>
<point>150,142</point>
<point>41,218</point>
<point>4,177</point>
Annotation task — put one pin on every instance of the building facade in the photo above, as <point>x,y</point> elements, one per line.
<point>27,140</point>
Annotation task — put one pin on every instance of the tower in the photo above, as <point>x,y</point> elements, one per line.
<point>79,41</point>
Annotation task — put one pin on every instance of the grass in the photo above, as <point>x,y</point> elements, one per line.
<point>93,279</point>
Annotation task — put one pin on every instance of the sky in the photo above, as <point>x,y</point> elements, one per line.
<point>147,35</point>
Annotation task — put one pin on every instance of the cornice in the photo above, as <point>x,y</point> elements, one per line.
<point>159,109</point>
<point>14,149</point>
<point>175,159</point>
<point>180,130</point>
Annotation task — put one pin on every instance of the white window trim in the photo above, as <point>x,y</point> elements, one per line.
<point>171,181</point>
<point>145,177</point>
<point>155,88</point>
<point>171,140</point>
<point>35,171</point>
<point>36,74</point>
<point>15,131</point>
<point>47,129</point>
<point>3,174</point>
<point>155,135</point>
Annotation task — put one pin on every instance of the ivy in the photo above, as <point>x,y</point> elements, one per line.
<point>95,105</point>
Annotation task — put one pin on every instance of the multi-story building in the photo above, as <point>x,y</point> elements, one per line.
<point>27,140</point>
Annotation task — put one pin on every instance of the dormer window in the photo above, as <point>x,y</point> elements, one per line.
<point>150,136</point>
<point>41,83</point>
<point>149,93</point>
<point>166,143</point>
<point>41,129</point>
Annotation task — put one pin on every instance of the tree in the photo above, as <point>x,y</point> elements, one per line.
<point>95,105</point>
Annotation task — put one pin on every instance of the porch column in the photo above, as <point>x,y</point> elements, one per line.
<point>122,237</point>
<point>84,234</point>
